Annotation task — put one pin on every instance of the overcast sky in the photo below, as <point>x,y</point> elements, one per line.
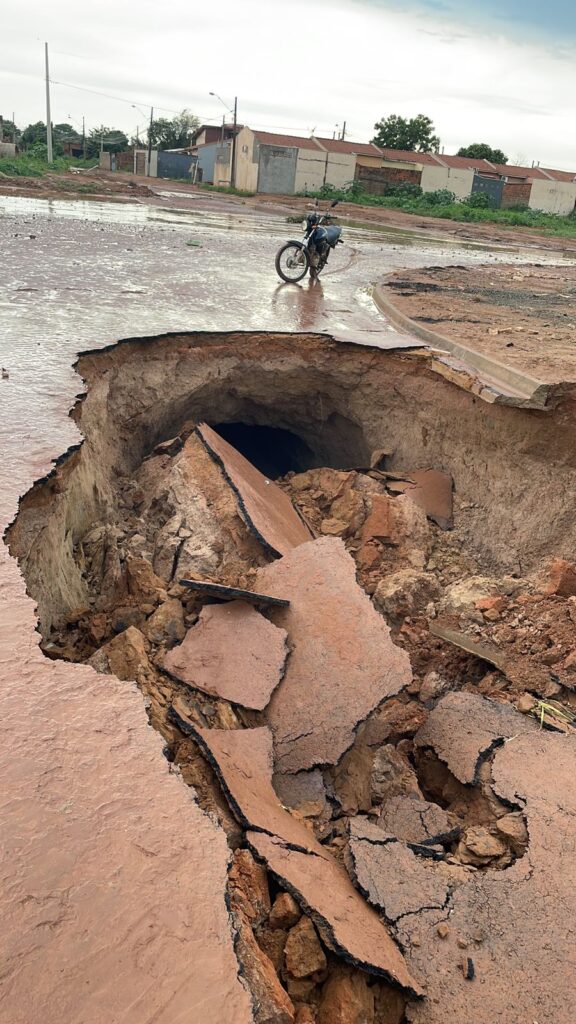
<point>502,71</point>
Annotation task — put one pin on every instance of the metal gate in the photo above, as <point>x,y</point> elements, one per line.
<point>492,187</point>
<point>175,165</point>
<point>277,169</point>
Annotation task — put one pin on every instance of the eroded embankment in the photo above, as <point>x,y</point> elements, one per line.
<point>313,706</point>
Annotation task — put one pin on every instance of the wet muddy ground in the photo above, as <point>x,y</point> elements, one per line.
<point>102,543</point>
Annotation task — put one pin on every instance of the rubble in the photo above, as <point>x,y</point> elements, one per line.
<point>521,908</point>
<point>266,509</point>
<point>243,761</point>
<point>343,663</point>
<point>372,778</point>
<point>464,731</point>
<point>393,878</point>
<point>204,658</point>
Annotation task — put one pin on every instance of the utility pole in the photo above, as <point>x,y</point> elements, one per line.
<point>233,168</point>
<point>48,118</point>
<point>222,132</point>
<point>13,128</point>
<point>150,141</point>
<point>343,135</point>
<point>83,138</point>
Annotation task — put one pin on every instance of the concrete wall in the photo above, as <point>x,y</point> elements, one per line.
<point>246,160</point>
<point>456,179</point>
<point>7,149</point>
<point>316,168</point>
<point>553,197</point>
<point>369,161</point>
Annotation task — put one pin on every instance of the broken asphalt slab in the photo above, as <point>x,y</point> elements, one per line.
<point>343,664</point>
<point>232,652</point>
<point>242,759</point>
<point>394,878</point>
<point>463,733</point>
<point>265,507</point>
<point>516,924</point>
<point>224,593</point>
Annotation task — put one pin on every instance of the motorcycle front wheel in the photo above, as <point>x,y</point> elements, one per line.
<point>292,262</point>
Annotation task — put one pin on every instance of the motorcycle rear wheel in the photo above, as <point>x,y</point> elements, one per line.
<point>292,262</point>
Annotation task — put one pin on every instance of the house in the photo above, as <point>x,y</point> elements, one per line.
<point>286,164</point>
<point>508,185</point>
<point>205,145</point>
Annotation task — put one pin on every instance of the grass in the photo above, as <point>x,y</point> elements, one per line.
<point>23,166</point>
<point>425,206</point>
<point>227,189</point>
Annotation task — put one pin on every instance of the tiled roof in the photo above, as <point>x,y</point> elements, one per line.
<point>409,156</point>
<point>560,175</point>
<point>353,148</point>
<point>271,139</point>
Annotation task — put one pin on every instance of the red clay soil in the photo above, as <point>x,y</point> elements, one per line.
<point>524,316</point>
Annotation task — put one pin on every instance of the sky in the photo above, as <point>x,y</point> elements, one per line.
<point>502,72</point>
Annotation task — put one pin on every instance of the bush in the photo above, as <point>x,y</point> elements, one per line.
<point>406,189</point>
<point>479,201</point>
<point>441,197</point>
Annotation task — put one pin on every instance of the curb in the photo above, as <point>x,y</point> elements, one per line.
<point>511,386</point>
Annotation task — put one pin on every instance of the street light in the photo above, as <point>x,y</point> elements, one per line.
<point>234,112</point>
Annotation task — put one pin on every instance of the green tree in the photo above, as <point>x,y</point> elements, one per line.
<point>111,140</point>
<point>9,129</point>
<point>33,134</point>
<point>174,133</point>
<point>482,151</point>
<point>414,133</point>
<point>65,132</point>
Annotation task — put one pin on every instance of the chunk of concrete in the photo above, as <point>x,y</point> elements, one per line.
<point>232,652</point>
<point>265,507</point>
<point>343,663</point>
<point>242,759</point>
<point>391,876</point>
<point>463,730</point>
<point>347,925</point>
<point>432,491</point>
<point>414,820</point>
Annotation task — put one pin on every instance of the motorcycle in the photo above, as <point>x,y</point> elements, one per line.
<point>295,259</point>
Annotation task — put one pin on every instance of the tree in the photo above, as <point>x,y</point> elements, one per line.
<point>175,133</point>
<point>33,134</point>
<point>415,133</point>
<point>482,151</point>
<point>112,140</point>
<point>65,132</point>
<point>8,130</point>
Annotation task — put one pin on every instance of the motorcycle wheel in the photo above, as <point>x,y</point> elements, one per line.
<point>292,262</point>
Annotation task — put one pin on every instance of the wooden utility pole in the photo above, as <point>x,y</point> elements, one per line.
<point>343,135</point>
<point>48,118</point>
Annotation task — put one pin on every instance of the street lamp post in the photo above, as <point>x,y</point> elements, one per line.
<point>234,112</point>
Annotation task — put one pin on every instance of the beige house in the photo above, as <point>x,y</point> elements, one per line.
<point>285,164</point>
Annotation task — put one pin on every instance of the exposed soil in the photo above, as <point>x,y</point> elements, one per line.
<point>523,316</point>
<point>105,541</point>
<point>83,184</point>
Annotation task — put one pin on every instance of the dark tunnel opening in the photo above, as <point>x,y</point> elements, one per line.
<point>273,450</point>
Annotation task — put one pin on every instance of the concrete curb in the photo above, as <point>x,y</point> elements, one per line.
<point>507,385</point>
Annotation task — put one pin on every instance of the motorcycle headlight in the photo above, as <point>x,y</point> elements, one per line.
<point>304,224</point>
